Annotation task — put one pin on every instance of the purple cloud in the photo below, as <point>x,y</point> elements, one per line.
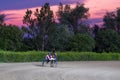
<point>20,4</point>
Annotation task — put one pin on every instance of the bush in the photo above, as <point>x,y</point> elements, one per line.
<point>8,56</point>
<point>82,42</point>
<point>35,56</point>
<point>87,56</point>
<point>107,41</point>
<point>10,38</point>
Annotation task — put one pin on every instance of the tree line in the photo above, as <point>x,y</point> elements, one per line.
<point>71,31</point>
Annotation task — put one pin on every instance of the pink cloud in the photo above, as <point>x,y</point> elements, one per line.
<point>97,9</point>
<point>15,17</point>
<point>101,7</point>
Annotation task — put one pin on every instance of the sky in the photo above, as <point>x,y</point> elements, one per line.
<point>15,9</point>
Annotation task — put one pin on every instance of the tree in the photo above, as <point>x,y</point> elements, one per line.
<point>2,17</point>
<point>95,30</point>
<point>109,20</point>
<point>112,20</point>
<point>118,20</point>
<point>59,38</point>
<point>107,40</point>
<point>40,24</point>
<point>84,28</point>
<point>72,17</point>
<point>10,38</point>
<point>82,42</point>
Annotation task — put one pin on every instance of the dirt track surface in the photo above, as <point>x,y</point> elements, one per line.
<point>88,70</point>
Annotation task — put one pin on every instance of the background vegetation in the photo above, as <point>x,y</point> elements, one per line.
<point>72,32</point>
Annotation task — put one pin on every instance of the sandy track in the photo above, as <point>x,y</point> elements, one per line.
<point>88,70</point>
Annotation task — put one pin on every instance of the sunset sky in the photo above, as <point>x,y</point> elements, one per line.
<point>15,9</point>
